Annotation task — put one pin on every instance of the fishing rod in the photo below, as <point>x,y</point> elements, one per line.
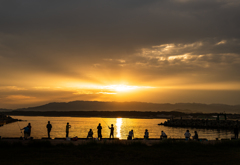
<point>105,122</point>
<point>19,127</point>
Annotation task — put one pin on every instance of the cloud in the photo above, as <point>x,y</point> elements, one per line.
<point>12,88</point>
<point>44,44</point>
<point>19,97</point>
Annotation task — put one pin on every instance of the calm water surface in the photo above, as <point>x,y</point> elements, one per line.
<point>81,126</point>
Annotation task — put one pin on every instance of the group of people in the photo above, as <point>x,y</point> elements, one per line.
<point>187,134</point>
<point>99,128</point>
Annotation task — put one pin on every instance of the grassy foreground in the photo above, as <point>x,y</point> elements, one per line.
<point>44,153</point>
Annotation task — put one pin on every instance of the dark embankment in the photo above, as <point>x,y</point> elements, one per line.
<point>39,153</point>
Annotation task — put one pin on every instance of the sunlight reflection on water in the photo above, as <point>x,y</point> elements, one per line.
<point>81,126</point>
<point>119,125</point>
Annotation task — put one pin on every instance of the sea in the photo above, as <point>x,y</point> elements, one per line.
<point>81,125</point>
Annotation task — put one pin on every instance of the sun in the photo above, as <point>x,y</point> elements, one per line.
<point>121,88</point>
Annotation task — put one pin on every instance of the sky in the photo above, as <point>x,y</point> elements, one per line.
<point>160,51</point>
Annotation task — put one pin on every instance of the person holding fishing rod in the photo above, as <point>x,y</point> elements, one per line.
<point>111,131</point>
<point>26,132</point>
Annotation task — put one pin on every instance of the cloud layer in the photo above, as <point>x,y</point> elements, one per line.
<point>168,44</point>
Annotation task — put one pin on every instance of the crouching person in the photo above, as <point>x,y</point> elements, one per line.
<point>163,135</point>
<point>90,134</point>
<point>130,135</point>
<point>146,134</point>
<point>195,137</point>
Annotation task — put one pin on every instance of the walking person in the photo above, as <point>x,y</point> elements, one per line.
<point>236,132</point>
<point>111,131</point>
<point>67,129</point>
<point>49,127</point>
<point>99,128</point>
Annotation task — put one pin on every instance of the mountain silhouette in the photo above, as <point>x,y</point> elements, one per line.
<point>133,106</point>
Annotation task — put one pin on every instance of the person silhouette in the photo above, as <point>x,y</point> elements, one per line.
<point>187,135</point>
<point>163,135</point>
<point>90,134</point>
<point>195,137</point>
<point>67,129</point>
<point>111,131</point>
<point>236,132</point>
<point>26,132</point>
<point>99,128</point>
<point>30,129</point>
<point>146,135</point>
<point>49,127</point>
<point>130,135</point>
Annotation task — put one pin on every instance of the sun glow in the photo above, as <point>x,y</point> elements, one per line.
<point>80,89</point>
<point>120,88</point>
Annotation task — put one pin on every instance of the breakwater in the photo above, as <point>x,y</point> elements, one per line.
<point>204,123</point>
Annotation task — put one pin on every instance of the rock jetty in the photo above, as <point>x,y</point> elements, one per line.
<point>4,119</point>
<point>202,123</point>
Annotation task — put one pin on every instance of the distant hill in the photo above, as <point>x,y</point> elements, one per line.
<point>5,110</point>
<point>134,106</point>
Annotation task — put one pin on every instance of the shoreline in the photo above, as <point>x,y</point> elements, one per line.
<point>122,114</point>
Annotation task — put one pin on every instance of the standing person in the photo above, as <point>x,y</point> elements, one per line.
<point>99,128</point>
<point>49,127</point>
<point>146,134</point>
<point>30,128</point>
<point>187,135</point>
<point>236,131</point>
<point>67,129</point>
<point>111,131</point>
<point>130,135</point>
